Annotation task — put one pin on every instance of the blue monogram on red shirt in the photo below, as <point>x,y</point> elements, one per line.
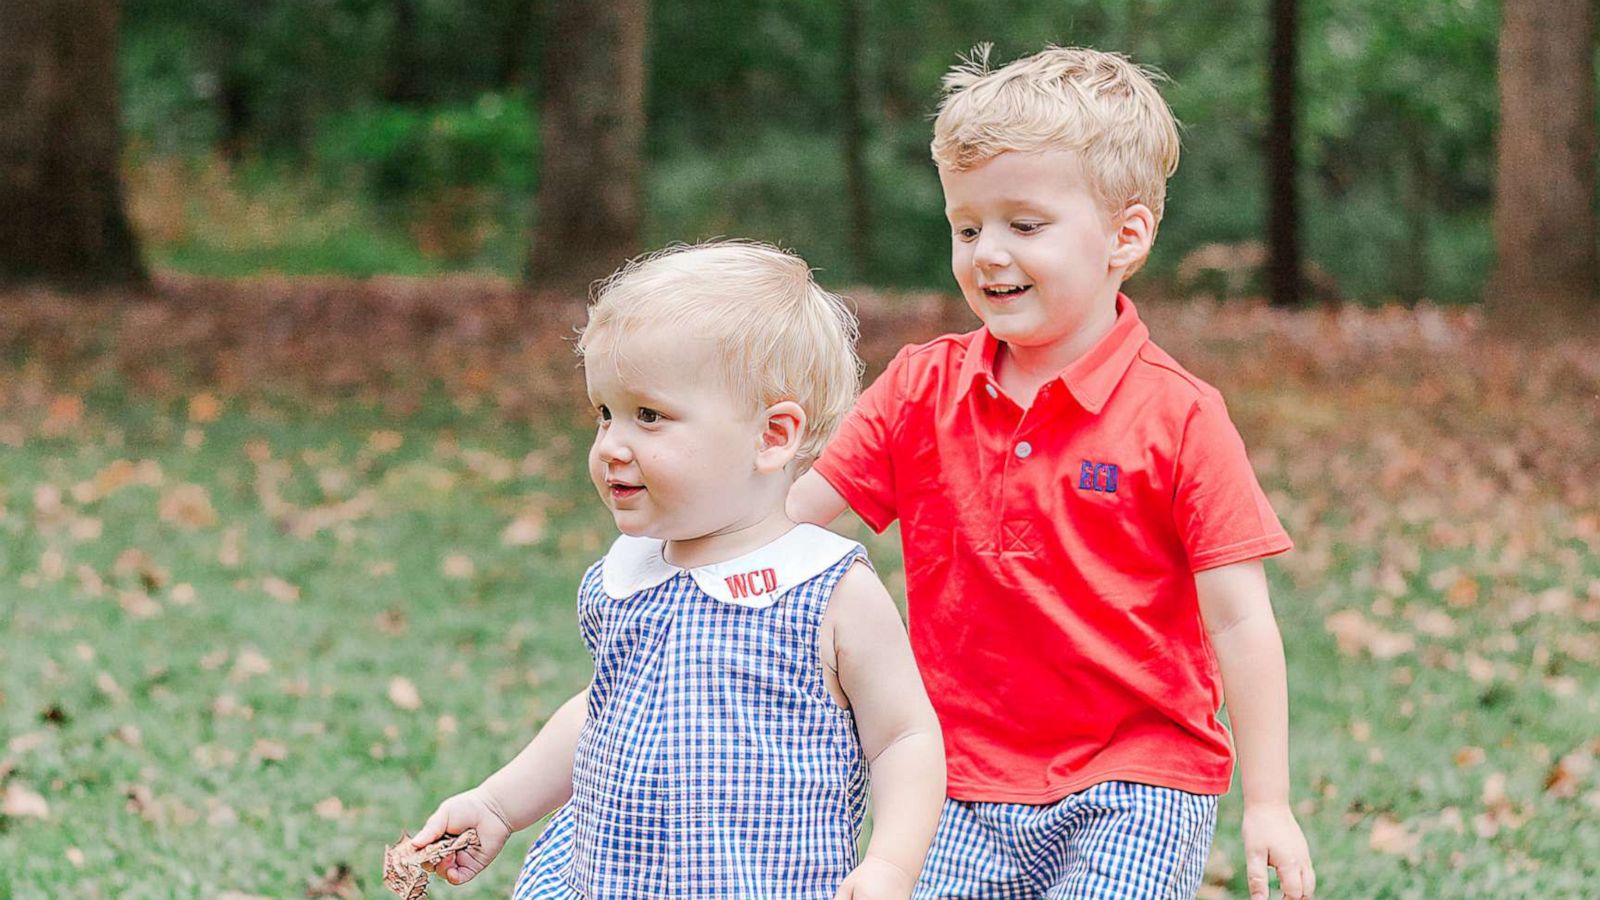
<point>1097,476</point>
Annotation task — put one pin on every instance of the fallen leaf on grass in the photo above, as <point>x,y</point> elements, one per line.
<point>1569,773</point>
<point>23,802</point>
<point>280,590</point>
<point>1391,836</point>
<point>1355,635</point>
<point>524,530</point>
<point>403,693</point>
<point>458,566</point>
<point>330,808</point>
<point>187,506</point>
<point>204,407</point>
<point>336,881</point>
<point>403,870</point>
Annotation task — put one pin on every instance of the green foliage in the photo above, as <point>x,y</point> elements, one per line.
<point>745,107</point>
<point>491,142</point>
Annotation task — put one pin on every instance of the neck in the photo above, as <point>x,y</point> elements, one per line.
<point>1023,370</point>
<point>730,542</point>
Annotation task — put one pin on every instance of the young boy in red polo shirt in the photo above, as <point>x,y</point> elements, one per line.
<point>1083,533</point>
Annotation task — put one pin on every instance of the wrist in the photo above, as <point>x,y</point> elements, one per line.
<point>486,796</point>
<point>902,871</point>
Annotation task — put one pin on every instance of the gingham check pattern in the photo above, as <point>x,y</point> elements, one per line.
<point>1117,840</point>
<point>713,763</point>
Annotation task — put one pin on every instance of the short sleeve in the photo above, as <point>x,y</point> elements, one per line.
<point>1222,515</point>
<point>859,461</point>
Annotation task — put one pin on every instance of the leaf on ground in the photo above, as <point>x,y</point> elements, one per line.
<point>188,507</point>
<point>457,566</point>
<point>329,808</point>
<point>279,589</point>
<point>335,881</point>
<point>22,802</point>
<point>403,693</point>
<point>248,664</point>
<point>1390,835</point>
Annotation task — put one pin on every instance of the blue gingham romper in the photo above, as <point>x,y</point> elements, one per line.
<point>713,762</point>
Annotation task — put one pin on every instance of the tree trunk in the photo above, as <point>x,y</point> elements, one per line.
<point>403,85</point>
<point>1544,220</point>
<point>60,188</point>
<point>515,47</point>
<point>857,184</point>
<point>1284,284</point>
<point>592,173</point>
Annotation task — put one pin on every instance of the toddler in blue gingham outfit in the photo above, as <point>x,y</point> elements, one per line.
<point>749,676</point>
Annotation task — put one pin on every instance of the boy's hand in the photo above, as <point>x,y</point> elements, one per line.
<point>1273,838</point>
<point>876,879</point>
<point>470,809</point>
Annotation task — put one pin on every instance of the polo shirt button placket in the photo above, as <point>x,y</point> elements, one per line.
<point>1024,450</point>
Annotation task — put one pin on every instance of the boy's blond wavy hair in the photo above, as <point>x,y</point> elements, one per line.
<point>1100,105</point>
<point>776,333</point>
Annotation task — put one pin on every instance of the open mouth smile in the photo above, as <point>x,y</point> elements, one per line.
<point>1005,291</point>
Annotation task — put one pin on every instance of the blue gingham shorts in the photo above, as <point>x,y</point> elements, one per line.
<point>1116,840</point>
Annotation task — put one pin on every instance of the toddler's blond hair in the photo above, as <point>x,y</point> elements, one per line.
<point>1100,105</point>
<point>776,333</point>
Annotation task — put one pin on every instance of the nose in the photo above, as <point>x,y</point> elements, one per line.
<point>610,447</point>
<point>989,250</point>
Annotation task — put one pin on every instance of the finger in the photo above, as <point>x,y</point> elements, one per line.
<point>1289,880</point>
<point>1309,879</point>
<point>1256,875</point>
<point>430,830</point>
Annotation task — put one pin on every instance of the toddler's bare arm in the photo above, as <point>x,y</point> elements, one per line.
<point>899,731</point>
<point>523,791</point>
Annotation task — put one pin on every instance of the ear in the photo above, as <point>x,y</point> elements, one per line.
<point>1135,232</point>
<point>783,425</point>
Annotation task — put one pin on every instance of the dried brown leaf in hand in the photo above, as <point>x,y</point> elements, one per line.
<point>403,870</point>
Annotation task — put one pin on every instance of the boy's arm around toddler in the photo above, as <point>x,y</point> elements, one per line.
<point>1238,614</point>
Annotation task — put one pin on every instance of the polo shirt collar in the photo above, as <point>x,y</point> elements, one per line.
<point>1091,378</point>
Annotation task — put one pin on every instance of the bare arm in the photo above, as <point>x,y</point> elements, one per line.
<point>524,791</point>
<point>539,779</point>
<point>1238,616</point>
<point>812,499</point>
<point>899,731</point>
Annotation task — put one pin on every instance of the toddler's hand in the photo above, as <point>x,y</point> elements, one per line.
<point>876,879</point>
<point>1273,838</point>
<point>470,809</point>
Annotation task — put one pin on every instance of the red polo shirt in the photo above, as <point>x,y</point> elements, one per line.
<point>1050,556</point>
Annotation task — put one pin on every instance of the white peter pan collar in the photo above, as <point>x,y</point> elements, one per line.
<point>755,580</point>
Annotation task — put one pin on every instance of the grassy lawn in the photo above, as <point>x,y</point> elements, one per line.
<point>276,577</point>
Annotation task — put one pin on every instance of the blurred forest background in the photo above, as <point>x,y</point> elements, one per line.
<point>414,136</point>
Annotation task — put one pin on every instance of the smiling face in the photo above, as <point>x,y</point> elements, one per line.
<point>1037,256</point>
<point>676,456</point>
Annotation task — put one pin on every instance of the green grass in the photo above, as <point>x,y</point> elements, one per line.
<point>156,742</point>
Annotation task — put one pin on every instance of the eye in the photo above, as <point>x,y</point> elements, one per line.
<point>602,415</point>
<point>1026,227</point>
<point>648,416</point>
<point>966,235</point>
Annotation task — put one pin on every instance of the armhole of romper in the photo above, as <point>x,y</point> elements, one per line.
<point>856,556</point>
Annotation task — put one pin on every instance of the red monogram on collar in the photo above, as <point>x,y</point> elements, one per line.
<point>752,584</point>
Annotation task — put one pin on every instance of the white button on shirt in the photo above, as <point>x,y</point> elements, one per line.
<point>991,390</point>
<point>1023,449</point>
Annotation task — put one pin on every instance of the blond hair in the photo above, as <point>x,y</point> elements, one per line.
<point>1100,105</point>
<point>777,334</point>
